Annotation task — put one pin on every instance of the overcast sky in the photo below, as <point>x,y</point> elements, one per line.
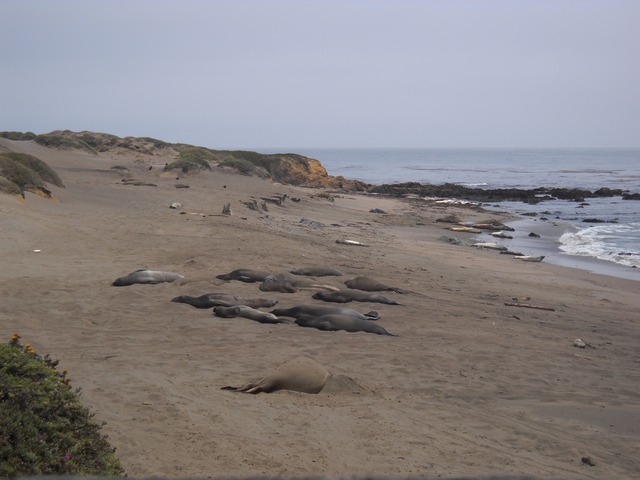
<point>275,73</point>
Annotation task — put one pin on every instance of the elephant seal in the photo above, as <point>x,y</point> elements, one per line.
<point>317,272</point>
<point>282,285</point>
<point>247,312</point>
<point>245,275</point>
<point>311,311</point>
<point>343,322</point>
<point>285,283</point>
<point>299,374</point>
<point>210,300</point>
<point>145,275</point>
<point>346,296</point>
<point>370,285</point>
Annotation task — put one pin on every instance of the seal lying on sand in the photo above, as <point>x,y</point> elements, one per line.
<point>210,300</point>
<point>247,312</point>
<point>313,311</point>
<point>370,285</point>
<point>317,272</point>
<point>346,296</point>
<point>245,275</point>
<point>343,322</point>
<point>286,283</point>
<point>300,374</point>
<point>146,276</point>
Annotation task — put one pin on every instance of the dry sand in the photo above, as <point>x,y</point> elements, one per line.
<point>469,386</point>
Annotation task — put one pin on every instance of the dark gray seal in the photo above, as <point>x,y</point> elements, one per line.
<point>346,296</point>
<point>245,275</point>
<point>311,311</point>
<point>247,312</point>
<point>286,283</point>
<point>300,374</point>
<point>367,284</point>
<point>317,272</point>
<point>210,300</point>
<point>145,275</point>
<point>343,322</point>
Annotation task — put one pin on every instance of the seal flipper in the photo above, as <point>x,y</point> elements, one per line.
<point>252,388</point>
<point>372,315</point>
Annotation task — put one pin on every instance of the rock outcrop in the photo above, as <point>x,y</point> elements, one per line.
<point>449,190</point>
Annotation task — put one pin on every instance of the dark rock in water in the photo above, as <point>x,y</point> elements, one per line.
<point>608,192</point>
<point>593,220</point>
<point>631,196</point>
<point>534,235</point>
<point>450,190</point>
<point>530,214</point>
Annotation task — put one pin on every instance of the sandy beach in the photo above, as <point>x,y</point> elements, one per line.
<point>469,386</point>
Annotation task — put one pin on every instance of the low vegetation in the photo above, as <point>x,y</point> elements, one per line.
<point>188,164</point>
<point>19,136</point>
<point>66,142</point>
<point>21,172</point>
<point>286,168</point>
<point>44,428</point>
<point>240,164</point>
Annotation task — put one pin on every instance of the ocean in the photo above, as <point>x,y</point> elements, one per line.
<point>616,241</point>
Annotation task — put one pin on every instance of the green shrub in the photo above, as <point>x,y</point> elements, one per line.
<point>23,176</point>
<point>242,165</point>
<point>64,141</point>
<point>18,135</point>
<point>7,186</point>
<point>187,164</point>
<point>44,171</point>
<point>155,142</point>
<point>44,429</point>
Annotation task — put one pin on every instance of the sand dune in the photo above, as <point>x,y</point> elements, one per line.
<point>469,385</point>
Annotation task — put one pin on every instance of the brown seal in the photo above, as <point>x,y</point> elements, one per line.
<point>210,300</point>
<point>300,374</point>
<point>311,311</point>
<point>370,285</point>
<point>343,322</point>
<point>145,275</point>
<point>286,283</point>
<point>346,296</point>
<point>245,275</point>
<point>247,312</point>
<point>317,272</point>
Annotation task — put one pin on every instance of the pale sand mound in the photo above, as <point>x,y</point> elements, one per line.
<point>470,386</point>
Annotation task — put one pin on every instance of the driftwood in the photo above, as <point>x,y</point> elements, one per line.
<point>352,242</point>
<point>527,305</point>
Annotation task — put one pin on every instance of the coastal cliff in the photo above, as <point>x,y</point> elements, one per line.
<point>180,158</point>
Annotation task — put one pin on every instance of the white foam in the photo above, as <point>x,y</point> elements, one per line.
<point>603,242</point>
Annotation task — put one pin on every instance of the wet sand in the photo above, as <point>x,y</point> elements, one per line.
<point>470,385</point>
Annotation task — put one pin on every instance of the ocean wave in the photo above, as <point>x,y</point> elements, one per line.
<point>612,242</point>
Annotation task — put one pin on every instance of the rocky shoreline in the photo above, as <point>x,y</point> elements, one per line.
<point>531,196</point>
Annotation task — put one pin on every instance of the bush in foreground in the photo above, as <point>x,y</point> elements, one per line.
<point>44,429</point>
